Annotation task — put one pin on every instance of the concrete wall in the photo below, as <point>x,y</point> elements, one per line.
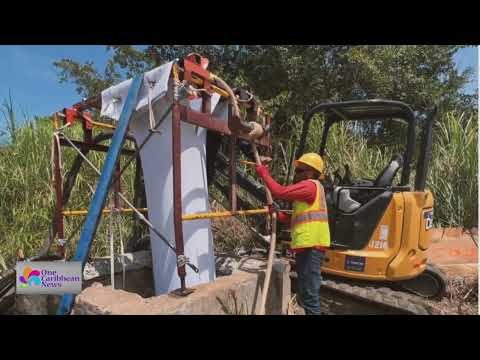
<point>239,293</point>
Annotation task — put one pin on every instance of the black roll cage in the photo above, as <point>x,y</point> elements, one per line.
<point>382,110</point>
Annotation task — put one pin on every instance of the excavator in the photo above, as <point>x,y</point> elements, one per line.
<point>380,230</point>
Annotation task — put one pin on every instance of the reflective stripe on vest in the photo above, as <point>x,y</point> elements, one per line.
<point>310,216</point>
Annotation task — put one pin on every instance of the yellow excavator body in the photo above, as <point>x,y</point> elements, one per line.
<point>397,249</point>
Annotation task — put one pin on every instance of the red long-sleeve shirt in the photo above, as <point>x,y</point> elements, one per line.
<point>302,191</point>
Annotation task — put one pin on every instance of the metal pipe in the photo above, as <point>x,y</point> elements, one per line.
<point>87,135</point>
<point>82,212</point>
<point>247,162</point>
<point>188,217</point>
<point>117,186</point>
<point>232,173</point>
<point>425,152</point>
<point>58,182</point>
<point>177,190</point>
<point>326,129</point>
<point>94,146</point>
<point>408,155</point>
<point>221,214</point>
<point>102,125</point>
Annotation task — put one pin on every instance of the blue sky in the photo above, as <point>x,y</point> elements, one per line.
<point>468,57</point>
<point>28,72</point>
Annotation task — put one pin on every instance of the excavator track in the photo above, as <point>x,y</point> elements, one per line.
<point>356,298</point>
<point>342,298</point>
<point>430,284</point>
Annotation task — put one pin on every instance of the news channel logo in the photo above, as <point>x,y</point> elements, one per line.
<point>49,277</point>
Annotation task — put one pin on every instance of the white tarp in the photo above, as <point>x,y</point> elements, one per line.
<point>156,158</point>
<point>114,97</point>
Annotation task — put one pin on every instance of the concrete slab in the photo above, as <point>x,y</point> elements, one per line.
<point>239,293</point>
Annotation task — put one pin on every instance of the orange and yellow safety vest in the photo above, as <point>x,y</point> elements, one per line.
<point>309,224</point>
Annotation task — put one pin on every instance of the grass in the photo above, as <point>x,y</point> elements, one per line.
<point>27,195</point>
<point>453,177</point>
<point>8,112</point>
<point>461,298</point>
<point>453,168</point>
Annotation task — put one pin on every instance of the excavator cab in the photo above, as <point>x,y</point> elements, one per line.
<point>380,230</point>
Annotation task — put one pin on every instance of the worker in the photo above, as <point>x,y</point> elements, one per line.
<point>309,225</point>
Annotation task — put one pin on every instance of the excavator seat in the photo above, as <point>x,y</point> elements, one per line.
<point>362,196</point>
<point>356,212</point>
<point>388,174</point>
<point>345,202</point>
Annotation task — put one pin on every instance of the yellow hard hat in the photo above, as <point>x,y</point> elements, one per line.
<point>313,160</point>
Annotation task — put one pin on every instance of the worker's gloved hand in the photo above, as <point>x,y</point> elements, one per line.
<point>262,170</point>
<point>256,131</point>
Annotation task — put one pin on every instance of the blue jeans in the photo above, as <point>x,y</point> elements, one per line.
<point>309,278</point>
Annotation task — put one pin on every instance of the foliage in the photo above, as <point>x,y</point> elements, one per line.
<point>27,195</point>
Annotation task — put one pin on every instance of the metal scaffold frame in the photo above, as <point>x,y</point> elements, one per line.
<point>192,79</point>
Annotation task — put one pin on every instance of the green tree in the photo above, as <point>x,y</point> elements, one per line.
<point>290,78</point>
<point>299,74</point>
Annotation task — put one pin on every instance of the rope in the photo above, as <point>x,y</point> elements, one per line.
<point>122,249</point>
<point>182,260</point>
<point>112,253</point>
<point>151,117</point>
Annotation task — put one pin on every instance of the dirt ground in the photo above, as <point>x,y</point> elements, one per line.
<point>461,299</point>
<point>455,251</point>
